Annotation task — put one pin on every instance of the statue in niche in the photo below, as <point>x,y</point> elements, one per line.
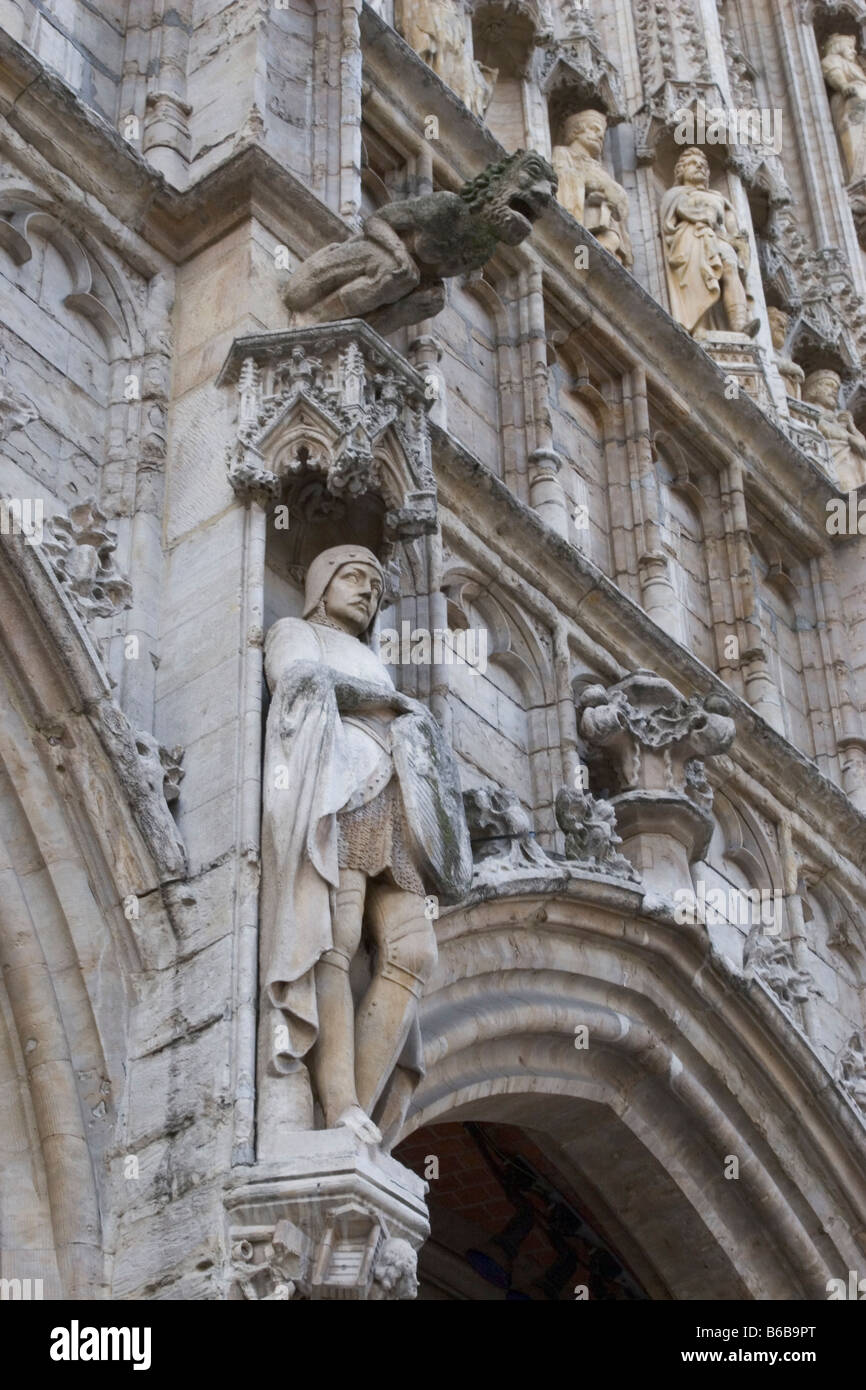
<point>362,820</point>
<point>847,444</point>
<point>844,73</point>
<point>392,272</point>
<point>707,252</point>
<point>440,31</point>
<point>792,375</point>
<point>586,189</point>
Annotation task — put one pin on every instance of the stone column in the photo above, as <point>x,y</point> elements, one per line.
<point>546,493</point>
<point>165,138</point>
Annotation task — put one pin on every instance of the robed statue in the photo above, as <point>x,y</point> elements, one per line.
<point>845,75</point>
<point>363,836</point>
<point>706,251</point>
<point>586,189</point>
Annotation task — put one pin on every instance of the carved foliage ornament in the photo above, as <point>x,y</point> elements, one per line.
<point>81,550</point>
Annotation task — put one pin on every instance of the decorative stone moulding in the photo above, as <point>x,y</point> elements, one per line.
<point>833,315</point>
<point>575,72</point>
<point>810,10</point>
<point>338,402</point>
<point>19,226</point>
<point>741,360</point>
<point>81,551</point>
<point>166,123</point>
<point>649,743</point>
<point>338,1221</point>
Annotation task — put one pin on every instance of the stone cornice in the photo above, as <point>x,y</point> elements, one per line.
<point>592,601</point>
<point>39,107</point>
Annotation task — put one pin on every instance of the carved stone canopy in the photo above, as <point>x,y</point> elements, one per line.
<point>660,115</point>
<point>578,74</point>
<point>336,402</point>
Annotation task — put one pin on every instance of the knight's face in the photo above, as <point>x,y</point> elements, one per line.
<point>352,597</point>
<point>531,187</point>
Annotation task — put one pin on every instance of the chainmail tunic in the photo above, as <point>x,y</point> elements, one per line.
<point>373,839</point>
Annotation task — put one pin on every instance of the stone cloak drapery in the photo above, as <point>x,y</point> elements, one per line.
<point>308,742</point>
<point>694,263</point>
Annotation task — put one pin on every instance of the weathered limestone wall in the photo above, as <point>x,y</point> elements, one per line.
<point>605,504</point>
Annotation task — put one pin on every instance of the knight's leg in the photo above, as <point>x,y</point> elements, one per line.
<point>406,953</point>
<point>394,1105</point>
<point>332,1061</point>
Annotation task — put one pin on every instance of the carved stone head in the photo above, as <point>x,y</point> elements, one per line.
<point>510,195</point>
<point>587,130</point>
<point>779,322</point>
<point>344,585</point>
<point>845,44</point>
<point>395,1272</point>
<point>822,388</point>
<point>692,167</point>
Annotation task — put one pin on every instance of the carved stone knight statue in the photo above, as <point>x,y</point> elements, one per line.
<point>844,74</point>
<point>586,189</point>
<point>706,251</point>
<point>362,818</point>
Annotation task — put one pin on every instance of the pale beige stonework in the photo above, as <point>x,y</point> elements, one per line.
<point>586,190</point>
<point>607,434</point>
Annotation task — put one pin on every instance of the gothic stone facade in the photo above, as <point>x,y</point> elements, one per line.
<point>659,970</point>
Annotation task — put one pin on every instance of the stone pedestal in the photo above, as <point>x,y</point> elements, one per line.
<point>648,744</point>
<point>335,1219</point>
<point>740,360</point>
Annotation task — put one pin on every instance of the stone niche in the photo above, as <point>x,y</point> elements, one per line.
<point>331,445</point>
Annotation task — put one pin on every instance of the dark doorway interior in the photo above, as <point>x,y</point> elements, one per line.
<point>506,1222</point>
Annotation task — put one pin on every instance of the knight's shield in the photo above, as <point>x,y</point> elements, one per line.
<point>436,821</point>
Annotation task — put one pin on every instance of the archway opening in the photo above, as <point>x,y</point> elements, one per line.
<point>509,1221</point>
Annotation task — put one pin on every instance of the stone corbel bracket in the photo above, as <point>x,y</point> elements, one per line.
<point>648,744</point>
<point>334,1220</point>
<point>338,402</point>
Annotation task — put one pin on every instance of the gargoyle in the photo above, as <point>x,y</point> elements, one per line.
<point>392,271</point>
